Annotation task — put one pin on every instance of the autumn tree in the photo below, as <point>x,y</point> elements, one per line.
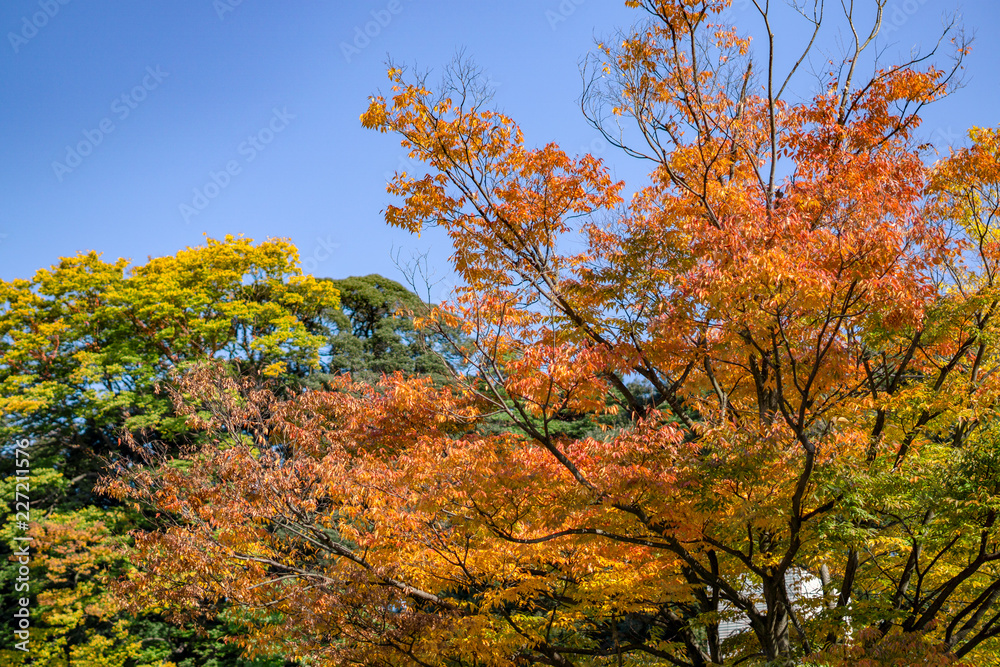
<point>810,300</point>
<point>85,344</point>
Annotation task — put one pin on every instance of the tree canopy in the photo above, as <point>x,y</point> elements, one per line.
<point>375,332</point>
<point>784,346</point>
<point>85,347</point>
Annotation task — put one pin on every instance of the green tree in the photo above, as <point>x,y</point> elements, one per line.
<point>375,332</point>
<point>84,345</point>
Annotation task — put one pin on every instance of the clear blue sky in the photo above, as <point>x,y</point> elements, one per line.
<point>201,77</point>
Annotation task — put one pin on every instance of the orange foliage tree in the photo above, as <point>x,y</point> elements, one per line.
<point>810,475</point>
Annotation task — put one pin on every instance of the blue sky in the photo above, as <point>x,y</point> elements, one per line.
<point>257,102</point>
